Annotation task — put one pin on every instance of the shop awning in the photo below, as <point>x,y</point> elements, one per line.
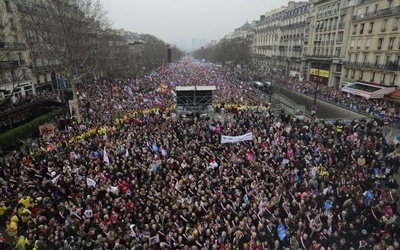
<point>367,90</point>
<point>395,95</point>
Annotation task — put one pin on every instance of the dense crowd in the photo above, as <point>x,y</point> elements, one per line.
<point>379,108</point>
<point>11,104</point>
<point>17,101</point>
<point>146,180</point>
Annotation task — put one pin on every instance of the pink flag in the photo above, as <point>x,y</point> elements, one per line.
<point>250,156</point>
<point>103,177</point>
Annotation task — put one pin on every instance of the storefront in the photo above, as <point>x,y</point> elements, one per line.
<point>319,74</point>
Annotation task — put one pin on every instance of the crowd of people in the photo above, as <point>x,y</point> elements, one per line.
<point>9,104</point>
<point>379,108</point>
<point>131,175</point>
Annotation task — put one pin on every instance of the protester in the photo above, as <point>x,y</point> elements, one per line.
<point>131,176</point>
<point>379,108</point>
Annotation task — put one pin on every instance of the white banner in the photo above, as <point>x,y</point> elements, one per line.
<point>233,139</point>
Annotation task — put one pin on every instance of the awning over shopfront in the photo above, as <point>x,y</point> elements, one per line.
<point>369,91</point>
<point>395,95</point>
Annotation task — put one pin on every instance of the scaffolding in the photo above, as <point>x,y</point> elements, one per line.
<point>194,99</point>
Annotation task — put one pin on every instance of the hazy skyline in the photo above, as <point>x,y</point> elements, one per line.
<point>182,20</point>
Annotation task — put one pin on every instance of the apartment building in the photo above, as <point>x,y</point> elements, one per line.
<point>15,70</point>
<point>267,40</point>
<point>45,68</point>
<point>292,41</point>
<point>327,40</point>
<point>373,55</point>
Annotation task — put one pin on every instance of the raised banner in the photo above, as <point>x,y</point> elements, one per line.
<point>46,130</point>
<point>233,139</point>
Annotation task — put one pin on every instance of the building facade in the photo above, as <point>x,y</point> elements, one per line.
<point>332,42</point>
<point>267,41</point>
<point>15,69</point>
<point>292,40</point>
<point>373,55</point>
<point>327,40</point>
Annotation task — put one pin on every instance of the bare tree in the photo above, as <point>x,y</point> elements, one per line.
<point>153,54</point>
<point>65,36</point>
<point>207,53</point>
<point>228,51</point>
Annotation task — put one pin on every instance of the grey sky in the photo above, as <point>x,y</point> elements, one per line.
<point>182,20</point>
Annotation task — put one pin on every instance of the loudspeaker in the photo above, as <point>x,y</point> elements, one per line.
<point>169,57</point>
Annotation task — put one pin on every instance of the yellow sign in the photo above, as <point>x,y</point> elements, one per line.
<point>324,73</point>
<point>319,72</point>
<point>313,72</point>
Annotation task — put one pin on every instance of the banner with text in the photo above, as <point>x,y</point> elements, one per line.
<point>233,139</point>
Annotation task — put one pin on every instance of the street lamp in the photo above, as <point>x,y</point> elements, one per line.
<point>316,83</point>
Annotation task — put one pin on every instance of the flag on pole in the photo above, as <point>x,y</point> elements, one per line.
<point>105,156</point>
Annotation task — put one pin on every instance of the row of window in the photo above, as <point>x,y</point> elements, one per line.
<point>389,60</point>
<point>328,10</point>
<point>330,37</point>
<point>327,52</point>
<point>375,8</point>
<point>387,79</point>
<point>371,26</point>
<point>14,76</point>
<point>379,45</point>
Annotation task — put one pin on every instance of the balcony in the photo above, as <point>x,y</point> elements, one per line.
<point>9,64</point>
<point>378,13</point>
<point>367,65</point>
<point>297,48</point>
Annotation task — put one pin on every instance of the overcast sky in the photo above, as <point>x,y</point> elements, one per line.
<point>182,20</point>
